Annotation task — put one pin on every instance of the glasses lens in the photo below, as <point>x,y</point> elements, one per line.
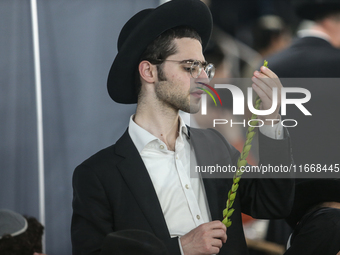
<point>210,71</point>
<point>196,69</point>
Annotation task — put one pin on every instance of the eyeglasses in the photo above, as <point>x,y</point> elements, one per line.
<point>196,67</point>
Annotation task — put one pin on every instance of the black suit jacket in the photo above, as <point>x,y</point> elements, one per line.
<point>307,57</point>
<point>318,232</point>
<point>113,191</point>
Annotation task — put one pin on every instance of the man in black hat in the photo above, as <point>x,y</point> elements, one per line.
<point>315,218</point>
<point>143,181</point>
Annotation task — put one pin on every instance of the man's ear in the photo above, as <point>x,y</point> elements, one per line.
<point>147,71</point>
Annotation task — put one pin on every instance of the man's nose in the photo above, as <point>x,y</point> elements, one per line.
<point>203,76</point>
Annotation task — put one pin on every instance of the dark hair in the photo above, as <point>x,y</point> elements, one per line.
<point>331,13</point>
<point>26,243</point>
<point>214,54</point>
<point>266,29</point>
<point>162,47</point>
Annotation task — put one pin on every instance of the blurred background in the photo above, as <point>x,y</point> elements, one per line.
<point>78,41</point>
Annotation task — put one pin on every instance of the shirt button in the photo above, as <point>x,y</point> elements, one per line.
<point>186,186</point>
<point>161,147</point>
<point>279,132</point>
<point>176,157</point>
<point>198,217</point>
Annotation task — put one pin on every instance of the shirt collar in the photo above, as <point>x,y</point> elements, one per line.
<point>141,137</point>
<point>183,129</point>
<point>313,33</point>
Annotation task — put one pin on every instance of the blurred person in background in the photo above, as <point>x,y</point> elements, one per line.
<point>314,53</point>
<point>237,20</point>
<point>270,35</point>
<point>315,218</point>
<point>19,235</point>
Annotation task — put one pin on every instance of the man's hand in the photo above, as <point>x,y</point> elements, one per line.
<point>205,239</point>
<point>263,84</point>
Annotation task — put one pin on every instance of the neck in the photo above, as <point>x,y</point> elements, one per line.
<point>329,31</point>
<point>160,120</point>
<point>331,204</point>
<point>321,29</point>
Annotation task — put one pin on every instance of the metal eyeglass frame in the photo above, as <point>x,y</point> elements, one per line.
<point>207,67</point>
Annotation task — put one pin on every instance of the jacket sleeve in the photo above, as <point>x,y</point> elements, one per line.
<point>92,218</point>
<point>269,197</point>
<point>263,197</point>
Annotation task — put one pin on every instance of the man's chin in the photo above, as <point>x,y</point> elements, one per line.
<point>195,106</point>
<point>192,110</point>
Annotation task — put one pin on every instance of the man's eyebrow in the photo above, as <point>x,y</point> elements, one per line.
<point>193,60</point>
<point>188,60</point>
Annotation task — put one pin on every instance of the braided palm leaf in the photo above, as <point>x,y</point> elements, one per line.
<point>228,211</point>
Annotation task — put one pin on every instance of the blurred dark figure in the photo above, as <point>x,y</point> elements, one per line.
<point>133,242</point>
<point>233,24</point>
<point>314,54</point>
<point>214,54</point>
<point>315,218</point>
<point>270,35</point>
<point>237,17</point>
<point>19,235</point>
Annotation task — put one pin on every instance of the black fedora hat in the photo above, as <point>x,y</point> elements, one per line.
<point>310,193</point>
<point>141,30</point>
<point>133,242</point>
<point>312,9</point>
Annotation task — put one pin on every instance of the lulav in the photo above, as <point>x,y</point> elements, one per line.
<point>228,211</point>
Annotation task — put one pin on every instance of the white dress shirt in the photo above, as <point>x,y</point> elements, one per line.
<point>182,199</point>
<point>313,33</point>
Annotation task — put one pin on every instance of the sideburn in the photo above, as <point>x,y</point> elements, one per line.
<point>161,75</point>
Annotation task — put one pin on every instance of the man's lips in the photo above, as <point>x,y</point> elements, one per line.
<point>197,93</point>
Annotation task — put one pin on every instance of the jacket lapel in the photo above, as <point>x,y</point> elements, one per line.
<point>138,180</point>
<point>204,156</point>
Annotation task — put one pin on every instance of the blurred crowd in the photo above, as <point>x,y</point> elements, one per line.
<point>300,39</point>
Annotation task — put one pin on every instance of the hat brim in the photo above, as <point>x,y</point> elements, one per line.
<point>310,193</point>
<point>193,13</point>
<point>133,241</point>
<point>311,11</point>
